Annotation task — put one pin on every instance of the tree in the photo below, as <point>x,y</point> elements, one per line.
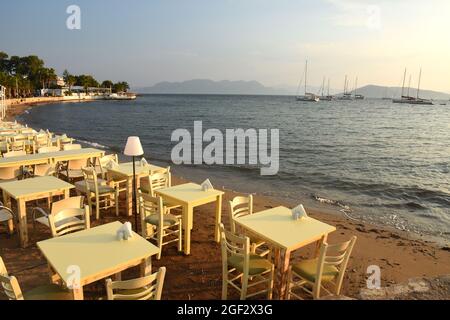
<point>107,84</point>
<point>121,87</point>
<point>69,79</point>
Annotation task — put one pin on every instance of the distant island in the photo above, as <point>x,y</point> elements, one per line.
<point>206,86</point>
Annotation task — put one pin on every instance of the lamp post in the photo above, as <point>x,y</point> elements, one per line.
<point>133,148</point>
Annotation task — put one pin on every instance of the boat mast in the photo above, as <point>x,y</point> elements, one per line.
<point>409,85</point>
<point>403,85</point>
<point>356,85</point>
<point>345,85</point>
<point>328,91</point>
<point>323,85</point>
<point>418,85</point>
<point>306,72</point>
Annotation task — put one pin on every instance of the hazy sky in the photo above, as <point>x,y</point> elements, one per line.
<point>145,41</point>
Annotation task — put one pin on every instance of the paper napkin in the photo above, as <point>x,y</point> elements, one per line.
<point>144,162</point>
<point>206,185</point>
<point>125,232</point>
<point>299,212</point>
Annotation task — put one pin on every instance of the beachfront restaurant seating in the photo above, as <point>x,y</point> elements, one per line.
<point>72,170</point>
<point>157,224</point>
<point>145,288</point>
<point>10,173</point>
<point>11,288</point>
<point>328,268</point>
<point>7,216</point>
<point>239,207</point>
<point>14,146</point>
<point>40,140</point>
<point>242,269</point>
<point>99,195</point>
<point>69,221</point>
<point>39,215</point>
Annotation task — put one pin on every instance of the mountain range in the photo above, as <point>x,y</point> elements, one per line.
<point>206,86</point>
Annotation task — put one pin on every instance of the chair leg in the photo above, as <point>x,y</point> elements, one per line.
<point>270,291</point>
<point>117,202</point>
<point>289,283</point>
<point>244,287</point>
<point>97,207</point>
<point>224,283</point>
<point>11,226</point>
<point>160,242</point>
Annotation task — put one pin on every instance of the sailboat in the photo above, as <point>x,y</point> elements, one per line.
<point>357,96</point>
<point>327,97</point>
<point>347,95</point>
<point>307,97</point>
<point>408,98</point>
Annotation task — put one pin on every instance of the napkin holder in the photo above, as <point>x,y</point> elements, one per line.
<point>207,185</point>
<point>124,232</point>
<point>299,213</point>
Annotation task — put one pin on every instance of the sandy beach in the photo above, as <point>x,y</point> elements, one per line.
<point>400,255</point>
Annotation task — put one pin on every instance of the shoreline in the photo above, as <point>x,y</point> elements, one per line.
<point>401,255</point>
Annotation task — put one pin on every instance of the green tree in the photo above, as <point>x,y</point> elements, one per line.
<point>121,87</point>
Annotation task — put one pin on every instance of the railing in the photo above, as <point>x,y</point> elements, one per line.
<point>3,106</point>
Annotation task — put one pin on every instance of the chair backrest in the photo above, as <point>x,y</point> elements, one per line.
<point>74,146</point>
<point>16,146</point>
<point>336,255</point>
<point>150,205</point>
<point>10,173</point>
<point>20,137</point>
<point>234,245</point>
<point>68,203</point>
<point>145,288</point>
<point>90,177</point>
<point>69,221</point>
<point>239,207</point>
<point>48,149</point>
<point>9,284</point>
<point>14,154</point>
<point>104,161</point>
<point>158,180</point>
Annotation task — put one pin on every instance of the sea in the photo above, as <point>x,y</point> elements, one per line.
<point>370,160</point>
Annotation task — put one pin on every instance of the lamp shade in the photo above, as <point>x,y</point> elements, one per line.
<point>133,147</point>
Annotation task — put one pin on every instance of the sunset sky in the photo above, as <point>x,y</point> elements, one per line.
<point>145,42</point>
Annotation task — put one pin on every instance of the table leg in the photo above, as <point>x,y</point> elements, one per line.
<point>66,193</point>
<point>188,213</point>
<point>78,293</point>
<point>218,218</point>
<point>129,202</point>
<point>146,267</point>
<point>23,228</point>
<point>284,268</point>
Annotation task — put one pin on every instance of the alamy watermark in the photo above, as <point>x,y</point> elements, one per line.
<point>374,279</point>
<point>236,146</point>
<point>73,22</point>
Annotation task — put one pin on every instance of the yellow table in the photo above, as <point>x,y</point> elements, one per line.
<point>31,189</point>
<point>188,196</point>
<point>125,171</point>
<point>95,254</point>
<point>277,227</point>
<point>51,157</point>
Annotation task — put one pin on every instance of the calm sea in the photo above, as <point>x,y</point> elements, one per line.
<point>373,160</point>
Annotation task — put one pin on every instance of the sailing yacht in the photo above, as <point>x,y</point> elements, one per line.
<point>327,97</point>
<point>347,95</point>
<point>307,97</point>
<point>357,96</point>
<point>408,98</point>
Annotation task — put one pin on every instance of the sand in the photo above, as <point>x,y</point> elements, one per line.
<point>198,276</point>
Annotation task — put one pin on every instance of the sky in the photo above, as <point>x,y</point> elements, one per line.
<point>148,41</point>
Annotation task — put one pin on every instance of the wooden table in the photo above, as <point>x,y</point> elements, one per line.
<point>188,196</point>
<point>125,171</point>
<point>31,189</point>
<point>277,227</point>
<point>96,254</point>
<point>51,157</point>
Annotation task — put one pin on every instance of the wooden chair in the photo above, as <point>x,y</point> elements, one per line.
<point>41,216</point>
<point>72,170</point>
<point>239,207</point>
<point>68,221</point>
<point>158,225</point>
<point>102,196</point>
<point>107,178</point>
<point>7,216</point>
<point>238,263</point>
<point>12,290</point>
<point>41,140</point>
<point>329,267</point>
<point>158,180</point>
<point>10,173</point>
<point>14,154</point>
<point>45,169</point>
<point>17,146</point>
<point>145,288</point>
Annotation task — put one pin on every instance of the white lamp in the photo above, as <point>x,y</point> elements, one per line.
<point>133,148</point>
